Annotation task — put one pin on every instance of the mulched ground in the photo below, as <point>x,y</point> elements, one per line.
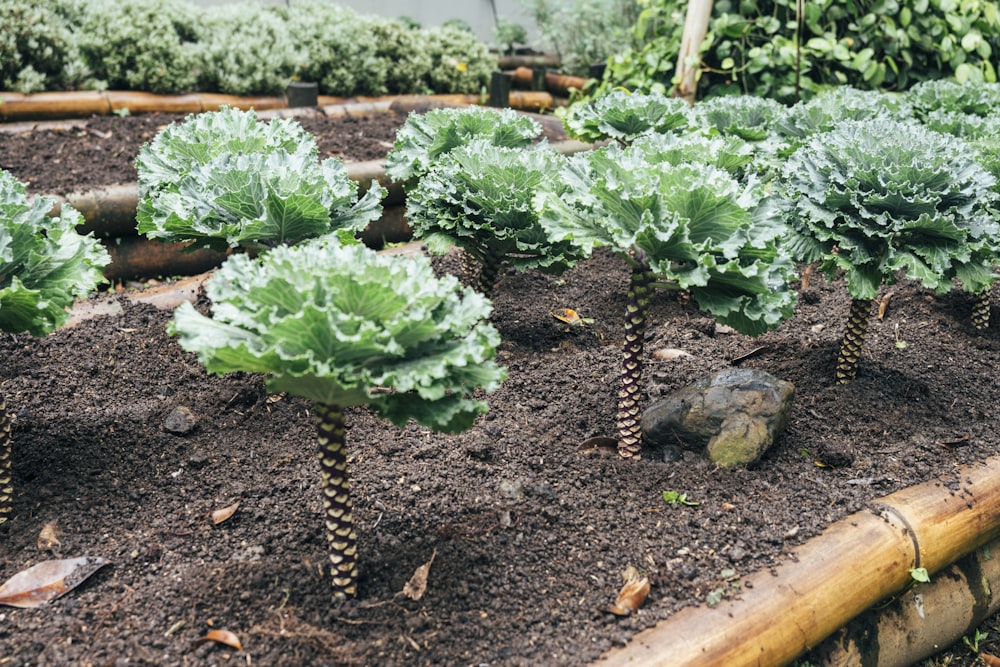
<point>529,535</point>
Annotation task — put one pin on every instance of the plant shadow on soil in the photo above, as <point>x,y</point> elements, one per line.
<point>530,534</point>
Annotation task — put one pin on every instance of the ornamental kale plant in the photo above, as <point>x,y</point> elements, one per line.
<point>345,327</point>
<point>479,196</point>
<point>683,226</point>
<point>625,116</point>
<point>424,138</point>
<point>823,112</point>
<point>882,200</point>
<point>44,265</point>
<point>223,179</point>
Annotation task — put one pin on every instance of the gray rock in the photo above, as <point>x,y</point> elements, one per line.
<point>180,421</point>
<point>734,415</point>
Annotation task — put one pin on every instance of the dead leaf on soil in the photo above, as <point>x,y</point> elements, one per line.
<point>599,445</point>
<point>218,516</point>
<point>631,597</point>
<point>990,660</point>
<point>48,537</point>
<point>47,581</point>
<point>883,305</point>
<point>417,585</point>
<point>570,317</point>
<point>669,354</point>
<point>221,636</point>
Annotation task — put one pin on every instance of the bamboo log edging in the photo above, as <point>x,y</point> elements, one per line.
<point>559,84</point>
<point>856,563</point>
<point>922,621</point>
<point>76,104</point>
<point>109,213</point>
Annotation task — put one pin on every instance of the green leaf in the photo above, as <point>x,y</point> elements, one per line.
<point>223,179</point>
<point>424,138</point>
<point>882,199</point>
<point>697,227</point>
<point>44,263</point>
<point>341,324</point>
<point>480,196</point>
<point>675,498</point>
<point>920,575</point>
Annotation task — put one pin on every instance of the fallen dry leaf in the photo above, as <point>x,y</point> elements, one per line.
<point>669,354</point>
<point>47,581</point>
<point>807,276</point>
<point>631,597</point>
<point>417,585</point>
<point>883,305</point>
<point>48,537</point>
<point>990,660</point>
<point>218,516</point>
<point>222,637</point>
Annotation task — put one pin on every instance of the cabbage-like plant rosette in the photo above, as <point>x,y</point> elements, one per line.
<point>883,200</point>
<point>624,117</point>
<point>223,180</point>
<point>339,324</point>
<point>879,197</point>
<point>344,326</point>
<point>44,262</point>
<point>480,196</point>
<point>424,138</point>
<point>686,226</point>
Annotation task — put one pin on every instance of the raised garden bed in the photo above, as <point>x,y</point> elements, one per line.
<point>529,533</point>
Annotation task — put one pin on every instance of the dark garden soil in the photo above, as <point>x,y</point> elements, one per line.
<point>528,535</point>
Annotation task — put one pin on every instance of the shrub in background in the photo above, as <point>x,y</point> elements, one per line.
<point>460,63</point>
<point>38,50</point>
<point>140,44</point>
<point>337,54</point>
<point>403,51</point>
<point>584,32</point>
<point>245,49</point>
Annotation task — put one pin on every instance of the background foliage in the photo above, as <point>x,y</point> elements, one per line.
<point>174,46</point>
<point>870,44</point>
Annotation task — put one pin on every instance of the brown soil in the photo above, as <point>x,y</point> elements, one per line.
<point>529,535</point>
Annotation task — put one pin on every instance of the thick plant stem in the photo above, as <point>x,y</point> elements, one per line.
<point>981,311</point>
<point>488,273</point>
<point>6,475</point>
<point>339,518</point>
<point>853,340</point>
<point>630,391</point>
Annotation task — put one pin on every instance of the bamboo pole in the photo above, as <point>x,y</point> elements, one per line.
<point>922,621</point>
<point>76,104</point>
<point>559,84</point>
<point>853,565</point>
<point>699,13</point>
<point>138,257</point>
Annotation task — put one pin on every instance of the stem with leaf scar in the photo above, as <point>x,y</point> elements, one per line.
<point>6,473</point>
<point>341,534</point>
<point>489,272</point>
<point>630,391</point>
<point>853,340</point>
<point>981,311</point>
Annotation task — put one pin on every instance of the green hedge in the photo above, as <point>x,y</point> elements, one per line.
<point>880,44</point>
<point>174,46</point>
